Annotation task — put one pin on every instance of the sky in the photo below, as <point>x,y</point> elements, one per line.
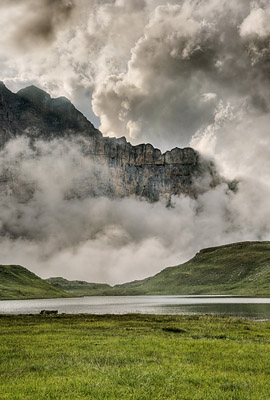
<point>171,73</point>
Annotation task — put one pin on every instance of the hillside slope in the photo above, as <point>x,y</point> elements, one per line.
<point>79,288</point>
<point>17,282</point>
<point>233,269</point>
<point>238,268</point>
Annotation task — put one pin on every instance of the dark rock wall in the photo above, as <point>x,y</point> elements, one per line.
<point>123,169</point>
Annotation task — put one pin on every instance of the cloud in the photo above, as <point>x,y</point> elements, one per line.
<point>149,83</point>
<point>186,51</point>
<point>50,224</point>
<point>35,22</point>
<point>256,23</point>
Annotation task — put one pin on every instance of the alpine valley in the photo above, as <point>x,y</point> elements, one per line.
<point>233,269</point>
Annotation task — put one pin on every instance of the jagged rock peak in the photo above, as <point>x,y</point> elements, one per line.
<point>39,97</point>
<point>3,87</point>
<point>35,95</point>
<point>33,112</point>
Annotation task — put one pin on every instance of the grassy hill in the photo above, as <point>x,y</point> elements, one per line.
<point>17,282</point>
<point>79,288</point>
<point>238,268</point>
<point>233,269</point>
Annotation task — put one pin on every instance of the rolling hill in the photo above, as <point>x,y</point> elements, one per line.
<point>237,269</point>
<point>17,282</point>
<point>233,269</point>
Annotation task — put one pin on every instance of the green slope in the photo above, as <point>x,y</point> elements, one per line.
<point>238,268</point>
<point>79,288</point>
<point>17,282</point>
<point>233,269</point>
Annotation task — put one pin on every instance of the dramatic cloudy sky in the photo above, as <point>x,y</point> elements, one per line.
<point>173,73</point>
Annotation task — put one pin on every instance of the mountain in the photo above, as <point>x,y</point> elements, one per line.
<point>34,113</point>
<point>17,282</point>
<point>234,269</point>
<point>79,288</point>
<point>123,170</point>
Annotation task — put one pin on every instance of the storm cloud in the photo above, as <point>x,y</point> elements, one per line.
<point>159,81</point>
<point>34,22</point>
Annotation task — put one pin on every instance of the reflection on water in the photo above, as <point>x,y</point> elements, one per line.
<point>258,311</point>
<point>258,308</point>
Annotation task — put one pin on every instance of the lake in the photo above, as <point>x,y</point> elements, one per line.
<point>258,308</point>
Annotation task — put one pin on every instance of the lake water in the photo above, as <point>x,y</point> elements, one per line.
<point>258,308</point>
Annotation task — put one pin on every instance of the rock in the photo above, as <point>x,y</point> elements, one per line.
<point>127,170</point>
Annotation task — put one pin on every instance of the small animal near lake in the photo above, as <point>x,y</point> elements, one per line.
<point>49,312</point>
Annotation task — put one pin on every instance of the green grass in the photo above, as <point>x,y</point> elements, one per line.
<point>238,268</point>
<point>134,357</point>
<point>17,282</point>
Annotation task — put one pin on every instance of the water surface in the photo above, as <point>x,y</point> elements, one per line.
<point>258,308</point>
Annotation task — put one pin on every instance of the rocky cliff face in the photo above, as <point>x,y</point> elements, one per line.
<point>123,169</point>
<point>34,113</point>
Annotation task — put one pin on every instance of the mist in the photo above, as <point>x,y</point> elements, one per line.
<point>51,226</point>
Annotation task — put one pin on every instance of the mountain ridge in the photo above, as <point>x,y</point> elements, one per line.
<point>141,171</point>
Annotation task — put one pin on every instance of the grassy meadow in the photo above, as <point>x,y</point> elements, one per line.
<point>133,357</point>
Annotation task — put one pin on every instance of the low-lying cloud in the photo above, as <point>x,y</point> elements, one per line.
<point>49,225</point>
